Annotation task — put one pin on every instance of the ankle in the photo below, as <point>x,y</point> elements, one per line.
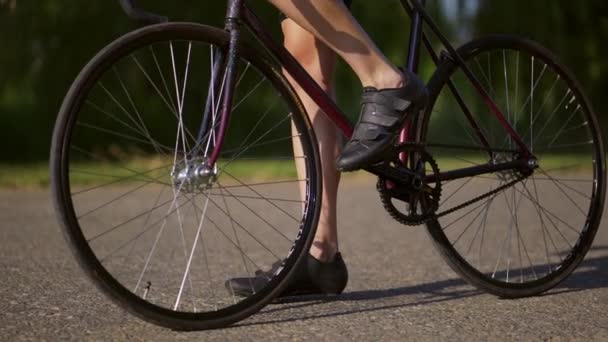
<point>387,78</point>
<point>324,251</point>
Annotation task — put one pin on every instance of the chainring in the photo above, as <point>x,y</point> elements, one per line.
<point>420,203</point>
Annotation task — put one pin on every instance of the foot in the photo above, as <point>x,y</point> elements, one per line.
<point>311,277</point>
<point>382,115</point>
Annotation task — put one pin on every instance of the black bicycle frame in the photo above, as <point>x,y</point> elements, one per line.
<point>238,13</point>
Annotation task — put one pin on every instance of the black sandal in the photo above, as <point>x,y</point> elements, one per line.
<point>383,113</point>
<point>312,277</point>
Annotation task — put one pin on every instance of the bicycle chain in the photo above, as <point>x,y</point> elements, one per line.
<point>477,199</point>
<point>400,217</point>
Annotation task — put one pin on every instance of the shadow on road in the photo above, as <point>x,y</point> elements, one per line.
<point>591,274</point>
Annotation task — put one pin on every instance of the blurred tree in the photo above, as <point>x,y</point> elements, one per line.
<point>576,32</point>
<point>46,42</point>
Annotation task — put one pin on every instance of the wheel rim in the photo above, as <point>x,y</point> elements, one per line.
<point>520,237</point>
<point>130,195</point>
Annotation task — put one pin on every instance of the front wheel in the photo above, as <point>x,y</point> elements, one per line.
<point>156,229</point>
<point>534,229</point>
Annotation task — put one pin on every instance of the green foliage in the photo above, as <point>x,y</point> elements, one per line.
<point>46,42</point>
<point>575,31</point>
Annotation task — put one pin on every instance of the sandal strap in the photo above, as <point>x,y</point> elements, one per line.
<point>384,114</point>
<point>366,131</point>
<point>394,103</point>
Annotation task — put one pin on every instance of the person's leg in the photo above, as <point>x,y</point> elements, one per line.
<point>331,22</point>
<point>389,94</point>
<point>319,60</point>
<point>324,270</point>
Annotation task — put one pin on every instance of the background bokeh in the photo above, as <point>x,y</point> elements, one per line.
<point>46,42</point>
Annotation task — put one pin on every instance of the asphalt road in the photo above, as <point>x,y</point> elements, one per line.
<point>399,289</point>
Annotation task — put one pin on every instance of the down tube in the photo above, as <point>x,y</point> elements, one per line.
<point>298,73</point>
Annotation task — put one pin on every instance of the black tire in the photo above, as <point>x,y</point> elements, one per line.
<point>61,153</point>
<point>573,257</point>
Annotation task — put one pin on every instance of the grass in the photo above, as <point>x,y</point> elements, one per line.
<point>36,175</point>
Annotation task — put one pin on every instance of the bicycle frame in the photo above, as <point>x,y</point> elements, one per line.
<point>238,13</point>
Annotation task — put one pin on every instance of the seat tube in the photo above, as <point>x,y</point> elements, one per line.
<point>233,25</point>
<point>412,63</point>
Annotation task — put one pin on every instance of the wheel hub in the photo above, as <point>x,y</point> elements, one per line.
<point>194,176</point>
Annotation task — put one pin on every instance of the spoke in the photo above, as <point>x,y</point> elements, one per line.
<point>257,193</point>
<point>242,75</point>
<point>114,200</point>
<point>520,238</point>
<point>506,241</point>
<point>215,108</point>
<point>180,100</point>
<point>236,237</point>
<point>538,113</point>
<point>561,130</point>
<point>120,106</point>
<point>222,189</point>
<point>584,124</point>
<point>194,244</point>
<point>565,194</point>
<point>445,227</point>
<point>562,168</point>
<point>564,179</point>
<point>249,93</point>
<point>142,125</point>
<point>530,131</point>
<point>134,172</point>
<point>121,178</point>
<point>544,227</point>
<point>131,220</point>
<point>266,183</point>
<point>485,76</point>
<point>258,123</point>
<point>144,228</point>
<point>239,225</point>
<point>470,223</point>
<point>533,86</point>
<point>256,198</point>
<point>183,240</point>
<point>515,119</point>
<point>217,227</point>
<point>104,130</point>
<point>566,146</point>
<point>504,61</point>
<point>550,214</point>
<point>115,118</point>
<point>255,142</point>
<point>567,186</point>
<point>162,77</point>
<point>481,223</point>
<point>255,145</point>
<point>457,190</point>
<point>171,108</point>
<point>158,235</point>
<point>203,246</point>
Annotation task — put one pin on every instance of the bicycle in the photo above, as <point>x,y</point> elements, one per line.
<point>231,191</point>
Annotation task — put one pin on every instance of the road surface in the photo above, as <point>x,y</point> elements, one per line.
<point>399,289</point>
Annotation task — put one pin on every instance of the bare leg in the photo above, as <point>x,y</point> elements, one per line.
<point>319,60</point>
<point>332,23</point>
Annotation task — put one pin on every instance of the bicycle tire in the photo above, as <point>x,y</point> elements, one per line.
<point>61,184</point>
<point>449,253</point>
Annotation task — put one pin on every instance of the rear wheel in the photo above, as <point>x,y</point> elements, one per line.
<point>152,226</point>
<point>527,237</point>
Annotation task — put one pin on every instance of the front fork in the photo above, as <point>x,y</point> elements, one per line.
<point>229,59</point>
